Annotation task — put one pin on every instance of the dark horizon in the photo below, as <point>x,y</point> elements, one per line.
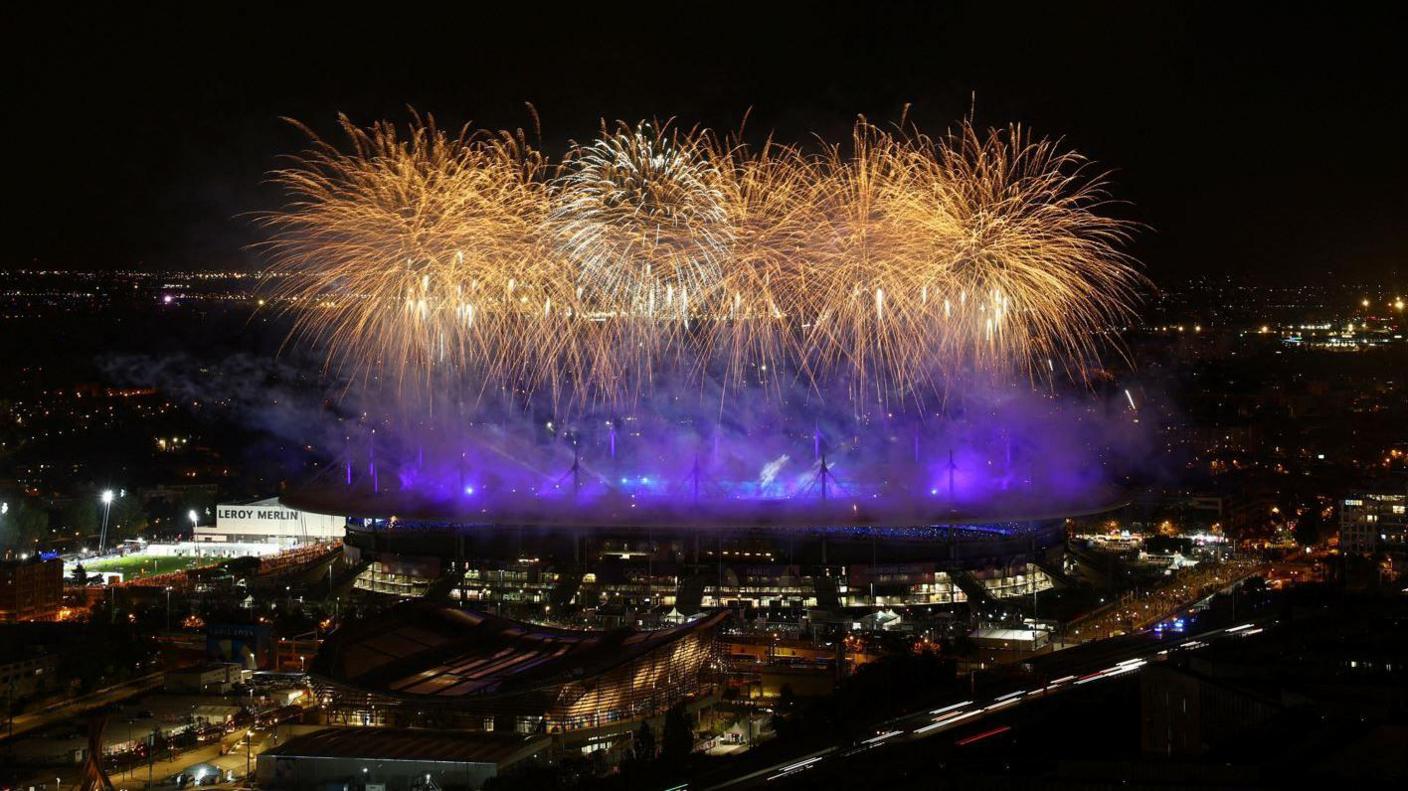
<point>1245,142</point>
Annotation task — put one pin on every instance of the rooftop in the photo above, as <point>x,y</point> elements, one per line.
<point>619,510</point>
<point>425,650</point>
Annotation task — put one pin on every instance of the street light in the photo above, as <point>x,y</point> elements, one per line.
<point>248,742</point>
<point>107,508</point>
<point>168,608</point>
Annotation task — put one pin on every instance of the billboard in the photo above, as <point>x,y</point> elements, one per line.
<point>268,521</point>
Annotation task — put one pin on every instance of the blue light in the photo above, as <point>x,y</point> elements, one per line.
<point>468,490</point>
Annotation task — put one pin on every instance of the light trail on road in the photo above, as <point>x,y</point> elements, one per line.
<point>930,723</point>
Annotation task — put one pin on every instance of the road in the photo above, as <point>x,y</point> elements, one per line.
<point>233,762</point>
<point>77,706</point>
<point>162,771</point>
<point>1076,669</point>
<point>1144,611</point>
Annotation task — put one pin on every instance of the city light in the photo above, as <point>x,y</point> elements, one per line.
<point>106,497</point>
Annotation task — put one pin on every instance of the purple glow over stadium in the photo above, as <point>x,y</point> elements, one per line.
<point>1003,454</point>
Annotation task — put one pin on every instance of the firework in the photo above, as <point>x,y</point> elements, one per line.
<point>968,253</point>
<point>753,320</point>
<point>893,265</point>
<point>641,213</point>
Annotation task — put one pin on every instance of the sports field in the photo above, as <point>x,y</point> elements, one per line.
<point>138,565</point>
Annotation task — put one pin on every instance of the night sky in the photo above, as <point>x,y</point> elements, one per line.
<point>1267,143</point>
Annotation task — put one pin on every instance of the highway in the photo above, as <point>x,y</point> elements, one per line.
<point>971,720</point>
<point>67,709</point>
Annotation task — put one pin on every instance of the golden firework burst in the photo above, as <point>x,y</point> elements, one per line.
<point>895,262</point>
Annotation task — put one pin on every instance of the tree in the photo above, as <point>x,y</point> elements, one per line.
<point>645,742</point>
<point>677,738</point>
<point>783,721</point>
<point>1310,524</point>
<point>128,517</point>
<point>83,515</point>
<point>786,699</point>
<point>23,523</point>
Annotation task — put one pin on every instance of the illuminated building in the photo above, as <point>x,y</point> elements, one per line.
<point>1374,519</point>
<point>265,521</point>
<point>30,590</point>
<point>422,663</point>
<point>750,555</point>
<point>694,569</point>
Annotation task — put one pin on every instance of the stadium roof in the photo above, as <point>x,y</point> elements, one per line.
<point>425,651</point>
<point>617,510</point>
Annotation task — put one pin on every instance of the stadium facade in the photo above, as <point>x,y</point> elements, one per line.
<point>637,563</point>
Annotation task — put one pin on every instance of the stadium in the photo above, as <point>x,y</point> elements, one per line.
<point>655,559</point>
<point>672,380</point>
<point>671,371</point>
